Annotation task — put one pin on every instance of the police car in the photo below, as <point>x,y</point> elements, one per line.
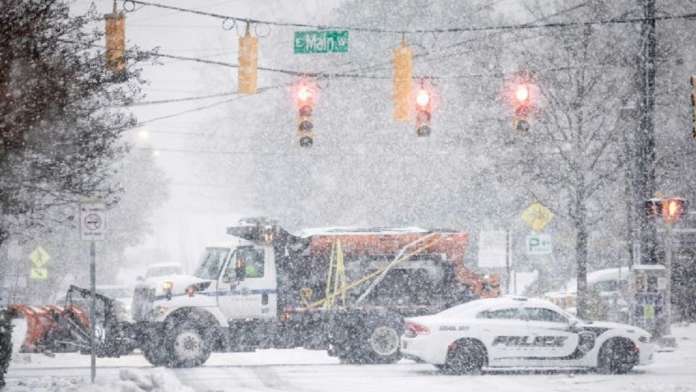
<point>521,332</point>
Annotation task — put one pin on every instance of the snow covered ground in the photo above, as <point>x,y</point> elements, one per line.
<point>313,371</point>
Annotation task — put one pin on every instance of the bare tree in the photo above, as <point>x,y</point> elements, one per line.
<point>58,129</point>
<point>573,155</point>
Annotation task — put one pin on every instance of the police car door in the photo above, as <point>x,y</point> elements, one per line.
<point>551,339</point>
<point>501,329</point>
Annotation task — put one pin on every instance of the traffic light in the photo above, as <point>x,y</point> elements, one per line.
<point>115,36</point>
<point>248,55</point>
<point>522,102</point>
<point>305,93</point>
<point>693,107</point>
<point>403,73</point>
<point>673,209</point>
<point>424,110</point>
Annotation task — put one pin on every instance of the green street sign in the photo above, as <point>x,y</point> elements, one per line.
<point>321,41</point>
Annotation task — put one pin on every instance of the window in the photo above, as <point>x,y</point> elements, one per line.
<point>211,263</point>
<point>251,258</point>
<point>543,314</point>
<point>501,314</point>
<point>253,261</point>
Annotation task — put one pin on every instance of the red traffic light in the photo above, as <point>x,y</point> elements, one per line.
<point>673,209</point>
<point>422,98</point>
<point>522,93</point>
<point>304,93</point>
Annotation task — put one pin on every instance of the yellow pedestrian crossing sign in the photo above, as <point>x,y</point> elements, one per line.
<point>38,273</point>
<point>39,257</point>
<point>537,216</point>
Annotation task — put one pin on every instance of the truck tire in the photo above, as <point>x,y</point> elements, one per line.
<point>375,342</point>
<point>187,345</point>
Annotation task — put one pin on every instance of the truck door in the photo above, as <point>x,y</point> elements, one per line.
<point>247,287</point>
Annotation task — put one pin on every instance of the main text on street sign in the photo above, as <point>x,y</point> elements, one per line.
<point>92,221</point>
<point>321,41</point>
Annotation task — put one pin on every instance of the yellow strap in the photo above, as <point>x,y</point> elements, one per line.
<point>330,296</point>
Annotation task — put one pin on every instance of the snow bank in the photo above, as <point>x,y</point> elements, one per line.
<point>130,380</point>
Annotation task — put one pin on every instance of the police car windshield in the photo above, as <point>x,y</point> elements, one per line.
<point>211,263</point>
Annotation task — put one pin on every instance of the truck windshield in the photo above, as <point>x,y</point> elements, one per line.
<point>211,263</point>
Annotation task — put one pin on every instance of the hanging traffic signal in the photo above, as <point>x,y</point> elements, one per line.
<point>424,110</point>
<point>522,102</point>
<point>693,107</point>
<point>115,36</point>
<point>247,71</point>
<point>403,69</point>
<point>305,93</point>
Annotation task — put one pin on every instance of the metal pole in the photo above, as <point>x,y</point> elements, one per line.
<point>668,287</point>
<point>507,262</point>
<point>92,310</point>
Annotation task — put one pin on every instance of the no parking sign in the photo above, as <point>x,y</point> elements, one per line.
<point>92,221</point>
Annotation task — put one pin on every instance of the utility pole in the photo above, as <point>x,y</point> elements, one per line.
<point>645,137</point>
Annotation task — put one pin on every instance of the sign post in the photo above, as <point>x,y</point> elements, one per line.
<point>92,229</point>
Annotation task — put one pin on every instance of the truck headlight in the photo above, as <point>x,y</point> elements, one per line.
<point>167,287</point>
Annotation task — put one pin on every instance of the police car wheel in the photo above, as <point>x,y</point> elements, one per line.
<point>187,346</point>
<point>465,357</point>
<point>617,356</point>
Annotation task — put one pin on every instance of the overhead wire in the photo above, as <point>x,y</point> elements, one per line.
<point>524,26</point>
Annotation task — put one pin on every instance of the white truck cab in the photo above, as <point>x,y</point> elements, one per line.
<point>234,281</point>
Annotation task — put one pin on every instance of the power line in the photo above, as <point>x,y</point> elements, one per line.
<point>524,26</point>
<point>161,101</point>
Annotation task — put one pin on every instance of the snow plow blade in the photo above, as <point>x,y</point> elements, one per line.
<point>49,327</point>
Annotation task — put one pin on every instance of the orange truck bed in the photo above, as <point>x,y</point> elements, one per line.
<point>391,241</point>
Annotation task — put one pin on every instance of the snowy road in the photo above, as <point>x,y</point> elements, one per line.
<point>311,371</point>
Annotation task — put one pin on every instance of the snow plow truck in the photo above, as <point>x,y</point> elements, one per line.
<point>346,291</point>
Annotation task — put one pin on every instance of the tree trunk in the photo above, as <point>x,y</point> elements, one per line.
<point>581,236</point>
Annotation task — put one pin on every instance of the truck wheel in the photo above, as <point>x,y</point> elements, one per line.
<point>376,342</point>
<point>187,345</point>
<point>617,356</point>
<point>156,355</point>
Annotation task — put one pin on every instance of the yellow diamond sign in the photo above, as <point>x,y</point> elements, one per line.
<point>39,257</point>
<point>537,216</point>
